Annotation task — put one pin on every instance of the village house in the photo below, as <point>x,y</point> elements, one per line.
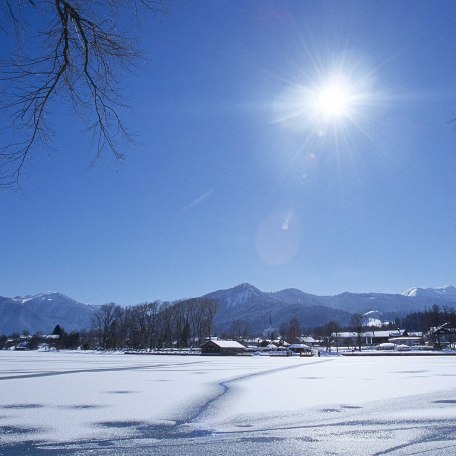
<point>443,336</point>
<point>308,340</point>
<point>373,337</point>
<point>222,347</point>
<point>302,349</point>
<point>410,340</point>
<point>370,338</point>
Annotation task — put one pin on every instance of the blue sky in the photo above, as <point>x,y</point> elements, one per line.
<point>232,178</point>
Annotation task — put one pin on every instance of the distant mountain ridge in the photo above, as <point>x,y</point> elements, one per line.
<point>446,293</point>
<point>246,302</point>
<point>41,312</point>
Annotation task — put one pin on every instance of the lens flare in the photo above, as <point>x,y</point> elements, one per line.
<point>278,238</point>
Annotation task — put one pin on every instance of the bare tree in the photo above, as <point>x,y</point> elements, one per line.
<point>284,330</point>
<point>141,325</point>
<point>72,57</point>
<point>294,329</point>
<point>330,334</point>
<point>167,320</point>
<point>107,322</point>
<point>290,331</point>
<point>209,308</point>
<point>151,311</point>
<point>239,329</point>
<point>357,324</point>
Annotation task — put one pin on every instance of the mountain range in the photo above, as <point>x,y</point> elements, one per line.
<point>40,313</point>
<point>246,302</point>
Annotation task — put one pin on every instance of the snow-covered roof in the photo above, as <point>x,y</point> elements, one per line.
<point>387,333</point>
<point>444,327</point>
<point>344,335</point>
<point>398,339</point>
<point>374,334</point>
<point>298,346</point>
<point>308,339</point>
<point>225,343</point>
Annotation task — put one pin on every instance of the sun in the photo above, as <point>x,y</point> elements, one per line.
<point>330,104</point>
<point>333,100</point>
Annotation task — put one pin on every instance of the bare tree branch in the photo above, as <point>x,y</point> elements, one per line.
<point>82,51</point>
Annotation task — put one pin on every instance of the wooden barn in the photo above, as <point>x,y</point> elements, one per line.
<point>222,347</point>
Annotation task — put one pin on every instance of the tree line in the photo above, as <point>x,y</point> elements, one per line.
<point>429,318</point>
<point>147,326</point>
<point>154,325</point>
<point>187,323</point>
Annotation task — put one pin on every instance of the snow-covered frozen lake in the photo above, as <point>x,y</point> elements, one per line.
<point>112,404</point>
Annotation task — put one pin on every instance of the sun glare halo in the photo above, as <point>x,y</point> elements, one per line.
<point>333,101</point>
<point>331,104</point>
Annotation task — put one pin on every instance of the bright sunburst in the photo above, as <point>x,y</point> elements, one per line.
<point>335,103</point>
<point>327,109</point>
<point>333,100</point>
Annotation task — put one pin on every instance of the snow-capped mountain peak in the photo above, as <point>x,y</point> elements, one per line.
<point>447,292</point>
<point>47,296</point>
<point>42,312</point>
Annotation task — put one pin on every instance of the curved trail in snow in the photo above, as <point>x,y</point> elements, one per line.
<point>225,387</point>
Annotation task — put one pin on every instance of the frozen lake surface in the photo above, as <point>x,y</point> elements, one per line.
<point>63,403</point>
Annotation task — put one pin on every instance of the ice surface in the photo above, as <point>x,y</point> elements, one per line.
<point>65,403</point>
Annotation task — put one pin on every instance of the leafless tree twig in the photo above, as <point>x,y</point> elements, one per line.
<point>79,53</point>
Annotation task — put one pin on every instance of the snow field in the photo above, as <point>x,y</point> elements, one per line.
<point>112,404</point>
